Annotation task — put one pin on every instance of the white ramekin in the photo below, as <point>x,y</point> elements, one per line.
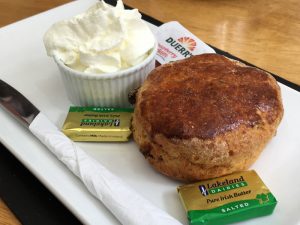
<point>111,89</point>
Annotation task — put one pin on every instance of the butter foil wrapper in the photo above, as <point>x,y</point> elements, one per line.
<point>227,199</point>
<point>98,124</point>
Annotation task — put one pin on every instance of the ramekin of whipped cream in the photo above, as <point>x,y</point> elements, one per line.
<point>102,54</point>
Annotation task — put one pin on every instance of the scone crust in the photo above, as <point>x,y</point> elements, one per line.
<point>205,116</point>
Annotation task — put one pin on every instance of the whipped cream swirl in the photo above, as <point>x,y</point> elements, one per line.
<point>104,39</point>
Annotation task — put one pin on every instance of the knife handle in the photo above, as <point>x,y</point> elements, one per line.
<point>124,202</point>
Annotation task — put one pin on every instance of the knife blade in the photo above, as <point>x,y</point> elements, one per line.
<point>19,106</point>
<point>126,204</point>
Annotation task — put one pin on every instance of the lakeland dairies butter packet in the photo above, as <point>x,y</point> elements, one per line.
<point>100,124</point>
<point>227,199</point>
<point>175,42</point>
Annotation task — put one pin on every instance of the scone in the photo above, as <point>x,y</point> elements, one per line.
<point>205,116</point>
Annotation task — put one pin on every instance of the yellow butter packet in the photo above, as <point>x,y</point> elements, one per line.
<point>227,199</point>
<point>100,124</point>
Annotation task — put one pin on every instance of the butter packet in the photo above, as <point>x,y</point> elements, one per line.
<point>99,124</point>
<point>227,199</point>
<point>175,42</point>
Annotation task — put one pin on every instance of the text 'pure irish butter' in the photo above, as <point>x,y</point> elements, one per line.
<point>227,199</point>
<point>98,124</point>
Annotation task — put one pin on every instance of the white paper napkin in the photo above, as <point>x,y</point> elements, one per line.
<point>125,203</point>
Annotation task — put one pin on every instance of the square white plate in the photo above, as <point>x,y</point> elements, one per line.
<point>25,65</point>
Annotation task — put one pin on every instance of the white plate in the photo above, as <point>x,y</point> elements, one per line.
<point>25,66</point>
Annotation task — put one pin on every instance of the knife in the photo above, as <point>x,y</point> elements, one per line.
<point>126,204</point>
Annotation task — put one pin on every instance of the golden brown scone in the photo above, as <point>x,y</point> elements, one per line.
<point>205,116</point>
